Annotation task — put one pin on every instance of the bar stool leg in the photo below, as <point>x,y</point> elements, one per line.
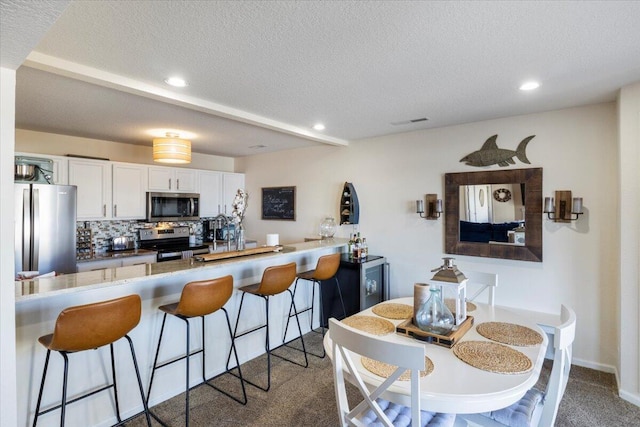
<point>304,350</point>
<point>115,387</point>
<point>44,376</point>
<point>187,374</point>
<point>140,387</point>
<point>235,352</point>
<point>155,360</point>
<point>64,387</point>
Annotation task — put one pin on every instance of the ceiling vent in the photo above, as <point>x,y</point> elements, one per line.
<point>408,122</point>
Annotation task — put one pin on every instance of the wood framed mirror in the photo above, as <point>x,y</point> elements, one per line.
<point>522,188</point>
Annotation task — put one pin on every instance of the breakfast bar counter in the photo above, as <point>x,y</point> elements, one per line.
<point>38,303</point>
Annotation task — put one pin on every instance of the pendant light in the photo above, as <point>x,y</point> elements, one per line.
<point>171,149</point>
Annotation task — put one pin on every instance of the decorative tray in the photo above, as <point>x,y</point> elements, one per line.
<point>233,254</point>
<point>449,340</point>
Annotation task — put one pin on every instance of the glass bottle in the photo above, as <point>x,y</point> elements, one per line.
<point>364,250</point>
<point>434,316</point>
<point>357,247</point>
<point>351,243</point>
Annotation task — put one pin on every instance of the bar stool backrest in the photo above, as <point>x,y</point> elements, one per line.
<point>277,279</point>
<point>205,296</point>
<point>90,326</point>
<point>327,266</point>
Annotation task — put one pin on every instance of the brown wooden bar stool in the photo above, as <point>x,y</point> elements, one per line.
<point>326,268</point>
<point>199,299</point>
<point>89,327</point>
<point>275,280</point>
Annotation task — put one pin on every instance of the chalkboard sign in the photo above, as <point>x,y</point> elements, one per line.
<point>279,203</point>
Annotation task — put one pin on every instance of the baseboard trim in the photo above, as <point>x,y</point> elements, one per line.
<point>630,397</point>
<point>610,369</point>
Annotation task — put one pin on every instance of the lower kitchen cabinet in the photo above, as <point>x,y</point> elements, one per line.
<point>102,264</point>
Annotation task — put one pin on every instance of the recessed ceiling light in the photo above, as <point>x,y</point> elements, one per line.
<point>176,82</point>
<point>318,126</point>
<point>530,85</point>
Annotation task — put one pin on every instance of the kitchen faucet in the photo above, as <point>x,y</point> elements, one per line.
<point>225,219</point>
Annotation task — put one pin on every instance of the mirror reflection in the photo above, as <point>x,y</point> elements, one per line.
<point>496,214</point>
<point>492,213</point>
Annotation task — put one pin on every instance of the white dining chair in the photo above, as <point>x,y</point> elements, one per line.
<point>536,408</point>
<point>480,282</point>
<point>372,410</point>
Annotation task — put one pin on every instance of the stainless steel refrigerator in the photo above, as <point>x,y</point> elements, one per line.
<point>45,232</point>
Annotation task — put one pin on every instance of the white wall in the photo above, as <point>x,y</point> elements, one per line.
<point>49,143</point>
<point>576,149</point>
<point>7,292</point>
<point>629,235</point>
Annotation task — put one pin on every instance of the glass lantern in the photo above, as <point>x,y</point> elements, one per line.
<point>453,288</point>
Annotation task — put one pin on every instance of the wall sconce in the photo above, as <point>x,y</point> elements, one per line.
<point>564,208</point>
<point>171,149</point>
<point>434,207</point>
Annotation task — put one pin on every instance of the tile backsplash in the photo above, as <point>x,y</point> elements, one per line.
<point>103,231</point>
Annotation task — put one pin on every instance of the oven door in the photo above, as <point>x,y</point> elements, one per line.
<point>173,207</point>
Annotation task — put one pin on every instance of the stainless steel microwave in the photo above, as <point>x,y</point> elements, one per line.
<point>173,207</point>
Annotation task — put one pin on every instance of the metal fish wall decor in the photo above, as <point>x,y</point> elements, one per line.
<point>490,154</point>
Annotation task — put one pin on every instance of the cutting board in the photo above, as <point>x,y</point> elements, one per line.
<point>234,254</point>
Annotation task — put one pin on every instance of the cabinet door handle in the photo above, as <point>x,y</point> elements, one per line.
<point>104,210</point>
<point>115,211</point>
<point>178,184</point>
<point>169,183</point>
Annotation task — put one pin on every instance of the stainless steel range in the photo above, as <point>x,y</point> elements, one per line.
<point>171,243</point>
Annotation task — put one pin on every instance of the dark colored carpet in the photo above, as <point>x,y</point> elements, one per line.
<point>305,397</point>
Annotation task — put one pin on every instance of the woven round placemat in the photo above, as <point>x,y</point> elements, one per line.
<point>451,305</point>
<point>492,357</point>
<point>392,310</point>
<point>384,369</point>
<point>370,324</point>
<point>509,333</point>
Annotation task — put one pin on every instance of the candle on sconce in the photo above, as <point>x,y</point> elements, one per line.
<point>577,205</point>
<point>439,205</point>
<point>548,205</point>
<point>419,206</point>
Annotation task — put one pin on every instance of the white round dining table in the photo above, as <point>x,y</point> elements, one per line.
<point>455,386</point>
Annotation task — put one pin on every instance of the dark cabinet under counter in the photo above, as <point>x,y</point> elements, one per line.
<point>364,283</point>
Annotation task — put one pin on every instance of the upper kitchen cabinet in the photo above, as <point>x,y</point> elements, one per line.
<point>60,170</point>
<point>231,182</point>
<point>210,184</point>
<point>129,188</point>
<point>93,179</point>
<point>172,179</point>
<point>217,191</point>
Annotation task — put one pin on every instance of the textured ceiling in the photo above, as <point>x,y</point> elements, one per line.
<point>279,67</point>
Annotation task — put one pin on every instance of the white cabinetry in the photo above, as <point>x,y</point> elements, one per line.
<point>210,184</point>
<point>60,170</point>
<point>172,179</point>
<point>93,179</point>
<point>129,191</point>
<point>102,264</point>
<point>217,191</point>
<point>231,182</point>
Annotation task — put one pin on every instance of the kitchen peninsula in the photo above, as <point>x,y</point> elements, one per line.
<point>38,303</point>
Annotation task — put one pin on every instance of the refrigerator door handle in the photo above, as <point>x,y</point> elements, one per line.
<point>36,228</point>
<point>26,230</point>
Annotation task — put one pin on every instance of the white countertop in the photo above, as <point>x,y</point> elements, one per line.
<point>29,290</point>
